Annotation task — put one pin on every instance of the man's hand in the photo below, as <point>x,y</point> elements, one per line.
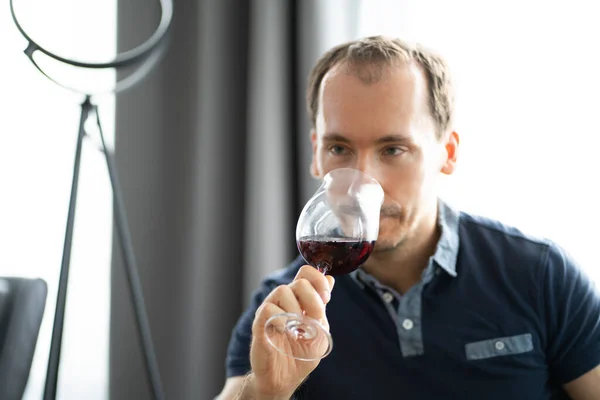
<point>275,375</point>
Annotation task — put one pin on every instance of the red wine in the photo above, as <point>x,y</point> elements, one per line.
<point>335,256</point>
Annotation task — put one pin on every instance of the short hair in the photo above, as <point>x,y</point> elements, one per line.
<point>366,58</point>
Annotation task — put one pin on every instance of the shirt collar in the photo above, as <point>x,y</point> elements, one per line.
<point>446,252</point>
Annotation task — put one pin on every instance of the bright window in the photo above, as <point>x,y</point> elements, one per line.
<point>527,93</point>
<point>38,128</point>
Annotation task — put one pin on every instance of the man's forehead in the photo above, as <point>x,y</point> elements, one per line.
<point>369,74</point>
<point>400,89</point>
<point>394,107</point>
<point>342,137</point>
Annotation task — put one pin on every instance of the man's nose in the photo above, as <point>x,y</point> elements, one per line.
<point>367,165</point>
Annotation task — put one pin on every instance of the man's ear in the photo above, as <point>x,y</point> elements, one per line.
<point>451,153</point>
<point>314,168</point>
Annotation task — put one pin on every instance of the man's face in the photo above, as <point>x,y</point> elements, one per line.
<point>386,130</point>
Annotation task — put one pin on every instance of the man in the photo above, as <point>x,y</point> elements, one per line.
<point>449,304</point>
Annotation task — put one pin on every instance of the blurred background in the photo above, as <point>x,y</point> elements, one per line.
<point>213,150</point>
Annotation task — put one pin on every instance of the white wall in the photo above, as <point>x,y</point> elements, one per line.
<point>38,128</point>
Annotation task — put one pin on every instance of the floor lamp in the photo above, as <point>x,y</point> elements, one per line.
<point>143,58</point>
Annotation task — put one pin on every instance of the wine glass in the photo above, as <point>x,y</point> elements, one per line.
<point>336,233</point>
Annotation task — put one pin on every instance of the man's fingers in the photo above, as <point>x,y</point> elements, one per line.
<point>307,294</point>
<point>331,281</point>
<point>320,282</point>
<point>284,297</point>
<point>310,301</point>
<point>263,313</point>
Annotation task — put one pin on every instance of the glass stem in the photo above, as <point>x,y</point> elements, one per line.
<point>323,267</point>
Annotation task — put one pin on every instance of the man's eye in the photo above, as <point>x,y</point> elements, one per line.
<point>393,151</point>
<point>338,150</point>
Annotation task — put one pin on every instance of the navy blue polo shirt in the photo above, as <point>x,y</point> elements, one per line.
<point>497,315</point>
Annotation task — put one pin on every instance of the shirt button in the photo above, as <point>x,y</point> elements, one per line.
<point>407,324</point>
<point>388,297</point>
<point>499,345</point>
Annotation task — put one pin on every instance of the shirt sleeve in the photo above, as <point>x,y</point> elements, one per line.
<point>238,351</point>
<point>572,312</point>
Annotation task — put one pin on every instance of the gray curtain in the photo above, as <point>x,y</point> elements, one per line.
<point>212,151</point>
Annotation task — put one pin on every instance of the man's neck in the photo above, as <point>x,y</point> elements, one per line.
<point>403,267</point>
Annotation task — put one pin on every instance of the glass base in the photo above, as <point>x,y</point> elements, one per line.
<point>299,337</point>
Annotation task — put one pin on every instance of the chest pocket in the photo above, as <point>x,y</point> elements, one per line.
<point>502,346</point>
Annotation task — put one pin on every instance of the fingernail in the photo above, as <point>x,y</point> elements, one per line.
<point>325,295</point>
